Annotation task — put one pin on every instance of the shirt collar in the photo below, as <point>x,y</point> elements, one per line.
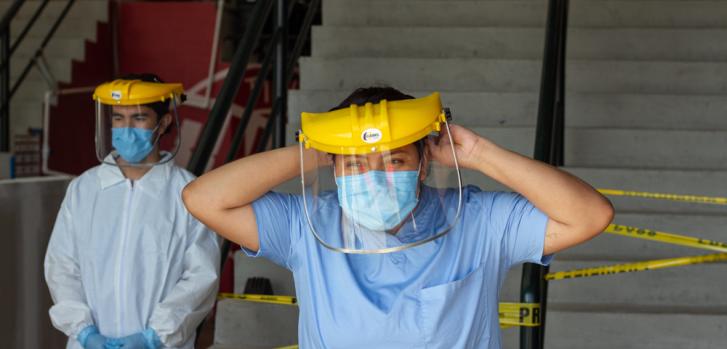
<point>154,180</point>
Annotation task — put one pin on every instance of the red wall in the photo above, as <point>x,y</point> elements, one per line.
<point>72,122</point>
<point>170,39</point>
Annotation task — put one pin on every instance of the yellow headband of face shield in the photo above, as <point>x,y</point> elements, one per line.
<point>372,127</point>
<point>135,92</point>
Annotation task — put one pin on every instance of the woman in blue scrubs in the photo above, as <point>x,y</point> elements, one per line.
<point>387,249</point>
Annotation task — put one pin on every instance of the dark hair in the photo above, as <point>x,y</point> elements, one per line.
<point>375,94</point>
<point>160,108</point>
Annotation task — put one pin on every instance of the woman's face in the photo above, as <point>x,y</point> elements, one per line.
<point>405,158</point>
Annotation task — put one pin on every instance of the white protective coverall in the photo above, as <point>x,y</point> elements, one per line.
<point>127,256</point>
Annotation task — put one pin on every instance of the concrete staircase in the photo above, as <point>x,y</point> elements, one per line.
<point>68,44</point>
<point>645,111</point>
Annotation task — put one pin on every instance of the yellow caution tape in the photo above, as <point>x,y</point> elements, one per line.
<point>511,314</point>
<point>713,200</point>
<point>261,298</point>
<point>669,238</point>
<point>519,314</point>
<point>638,266</point>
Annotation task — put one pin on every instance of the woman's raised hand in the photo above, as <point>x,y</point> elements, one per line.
<point>466,146</point>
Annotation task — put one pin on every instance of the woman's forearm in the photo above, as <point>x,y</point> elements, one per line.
<point>242,181</point>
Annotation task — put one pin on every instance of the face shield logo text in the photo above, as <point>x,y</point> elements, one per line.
<point>371,135</point>
<point>116,95</point>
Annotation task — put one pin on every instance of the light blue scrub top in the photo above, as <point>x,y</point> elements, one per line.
<point>442,294</point>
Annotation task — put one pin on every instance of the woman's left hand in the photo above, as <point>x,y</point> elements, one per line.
<point>466,147</point>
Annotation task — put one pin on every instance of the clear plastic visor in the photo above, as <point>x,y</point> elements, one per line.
<point>380,202</point>
<point>137,135</point>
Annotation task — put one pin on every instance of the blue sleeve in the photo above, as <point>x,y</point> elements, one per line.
<point>277,225</point>
<point>523,229</point>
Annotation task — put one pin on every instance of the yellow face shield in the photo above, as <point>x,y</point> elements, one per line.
<point>372,127</point>
<point>137,122</point>
<point>381,190</point>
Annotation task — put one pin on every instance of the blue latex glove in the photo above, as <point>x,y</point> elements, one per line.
<point>142,340</point>
<point>90,338</point>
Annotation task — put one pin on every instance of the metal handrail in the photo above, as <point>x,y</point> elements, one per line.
<point>28,25</point>
<point>41,48</point>
<point>237,140</point>
<point>231,85</point>
<point>10,14</point>
<point>549,141</point>
<point>255,93</point>
<point>269,127</point>
<point>6,91</point>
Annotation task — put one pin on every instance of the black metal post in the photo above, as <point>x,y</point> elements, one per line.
<point>557,154</point>
<point>5,73</point>
<point>230,87</point>
<point>5,90</point>
<point>280,86</point>
<point>549,140</point>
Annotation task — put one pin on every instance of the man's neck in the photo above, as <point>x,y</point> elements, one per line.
<point>135,173</point>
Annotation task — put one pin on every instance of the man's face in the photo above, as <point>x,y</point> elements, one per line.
<point>139,117</point>
<point>405,158</point>
<point>133,116</point>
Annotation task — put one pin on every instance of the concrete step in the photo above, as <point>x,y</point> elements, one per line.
<point>605,330</point>
<point>58,47</point>
<point>532,13</point>
<point>626,148</point>
<point>518,43</point>
<point>60,67</point>
<point>696,289</point>
<point>709,183</point>
<point>72,27</point>
<point>633,111</point>
<point>33,87</point>
<point>615,248</point>
<point>24,116</point>
<point>249,325</point>
<point>31,91</point>
<point>461,75</point>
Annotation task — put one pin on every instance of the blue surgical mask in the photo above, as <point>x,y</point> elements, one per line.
<point>378,200</point>
<point>133,144</point>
